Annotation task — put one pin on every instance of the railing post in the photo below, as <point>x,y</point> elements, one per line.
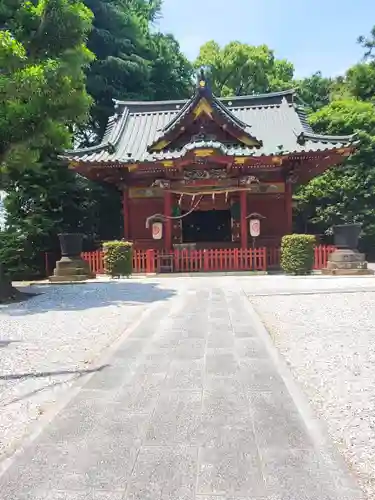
<point>264,258</point>
<point>46,264</point>
<point>150,261</point>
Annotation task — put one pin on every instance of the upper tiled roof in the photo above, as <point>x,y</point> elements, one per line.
<point>274,119</point>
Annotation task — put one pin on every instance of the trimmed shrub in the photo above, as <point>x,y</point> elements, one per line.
<point>297,253</point>
<point>118,258</point>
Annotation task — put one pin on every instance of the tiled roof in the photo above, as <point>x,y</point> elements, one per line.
<point>274,119</point>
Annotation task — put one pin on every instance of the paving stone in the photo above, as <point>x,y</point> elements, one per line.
<point>141,393</point>
<point>227,431</point>
<point>185,375</point>
<point>299,474</point>
<point>225,497</point>
<point>228,471</point>
<point>118,424</point>
<point>87,495</point>
<point>260,375</point>
<point>224,397</point>
<point>110,378</point>
<point>176,419</point>
<point>277,422</point>
<point>190,349</point>
<point>221,364</point>
<point>130,349</point>
<point>250,348</point>
<point>164,473</point>
<point>157,363</point>
<point>220,339</point>
<point>76,423</point>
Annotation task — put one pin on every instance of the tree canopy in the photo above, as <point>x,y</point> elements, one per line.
<point>132,62</point>
<point>62,62</point>
<point>42,83</point>
<point>239,69</point>
<point>346,193</point>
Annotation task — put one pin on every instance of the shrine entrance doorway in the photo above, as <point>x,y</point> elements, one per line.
<point>203,226</point>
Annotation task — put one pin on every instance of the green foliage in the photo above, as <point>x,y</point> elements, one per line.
<point>297,253</point>
<point>44,202</point>
<point>13,247</point>
<point>132,62</point>
<point>368,43</point>
<point>42,84</point>
<point>44,65</point>
<point>239,69</point>
<point>118,258</point>
<point>315,91</point>
<point>345,193</point>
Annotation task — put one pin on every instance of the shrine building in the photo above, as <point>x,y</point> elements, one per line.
<point>204,167</point>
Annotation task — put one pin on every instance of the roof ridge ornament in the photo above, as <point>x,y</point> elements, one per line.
<point>203,86</point>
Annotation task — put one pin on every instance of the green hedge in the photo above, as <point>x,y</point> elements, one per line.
<point>297,253</point>
<point>118,258</point>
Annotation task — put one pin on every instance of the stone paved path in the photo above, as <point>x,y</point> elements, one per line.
<point>191,407</point>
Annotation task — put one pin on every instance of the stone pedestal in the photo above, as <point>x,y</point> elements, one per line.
<point>71,267</point>
<point>347,262</point>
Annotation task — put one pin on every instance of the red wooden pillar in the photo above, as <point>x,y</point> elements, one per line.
<point>125,212</point>
<point>244,233</point>
<point>289,207</point>
<point>168,222</point>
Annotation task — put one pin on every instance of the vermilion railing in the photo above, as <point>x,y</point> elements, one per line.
<point>259,259</point>
<point>322,252</point>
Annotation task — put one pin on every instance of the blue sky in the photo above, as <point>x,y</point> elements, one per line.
<point>312,34</point>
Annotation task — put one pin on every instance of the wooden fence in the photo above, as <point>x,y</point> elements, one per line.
<point>260,259</point>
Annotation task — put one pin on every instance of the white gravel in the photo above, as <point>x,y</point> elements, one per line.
<point>328,340</point>
<point>47,341</point>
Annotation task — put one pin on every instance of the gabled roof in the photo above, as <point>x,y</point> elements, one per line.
<point>204,103</point>
<point>273,119</point>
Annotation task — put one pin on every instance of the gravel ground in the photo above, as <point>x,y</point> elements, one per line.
<point>328,341</point>
<point>51,340</point>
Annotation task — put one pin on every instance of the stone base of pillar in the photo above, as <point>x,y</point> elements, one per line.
<point>347,262</point>
<point>71,269</point>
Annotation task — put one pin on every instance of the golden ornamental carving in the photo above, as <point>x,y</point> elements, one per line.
<point>168,163</point>
<point>203,106</point>
<point>203,153</point>
<point>240,161</point>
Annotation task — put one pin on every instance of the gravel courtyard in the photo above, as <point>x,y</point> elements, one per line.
<point>55,338</point>
<point>325,330</point>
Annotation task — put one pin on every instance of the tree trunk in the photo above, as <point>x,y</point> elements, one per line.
<point>7,291</point>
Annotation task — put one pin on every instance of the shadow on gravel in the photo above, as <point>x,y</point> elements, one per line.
<point>87,296</point>
<point>18,376</point>
<point>6,343</point>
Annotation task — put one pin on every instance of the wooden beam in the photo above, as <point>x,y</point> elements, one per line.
<point>244,233</point>
<point>125,213</point>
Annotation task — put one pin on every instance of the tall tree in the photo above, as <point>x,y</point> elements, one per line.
<point>345,193</point>
<point>171,73</point>
<point>121,69</point>
<point>239,69</point>
<point>368,43</point>
<point>42,85</point>
<point>315,91</point>
<point>132,62</point>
